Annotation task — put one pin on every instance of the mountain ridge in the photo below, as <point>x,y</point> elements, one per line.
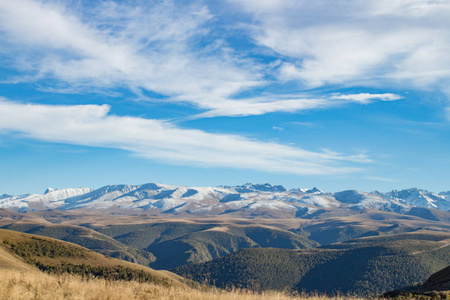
<point>248,200</point>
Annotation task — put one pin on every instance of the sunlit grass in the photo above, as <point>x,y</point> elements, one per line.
<point>35,285</point>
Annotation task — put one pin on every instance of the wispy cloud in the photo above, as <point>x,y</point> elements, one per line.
<point>268,104</point>
<point>355,42</point>
<point>92,125</point>
<point>384,179</point>
<point>157,48</point>
<point>260,106</point>
<point>366,98</point>
<point>172,50</point>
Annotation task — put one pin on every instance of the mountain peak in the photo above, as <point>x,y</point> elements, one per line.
<point>265,187</point>
<point>313,191</point>
<point>48,190</point>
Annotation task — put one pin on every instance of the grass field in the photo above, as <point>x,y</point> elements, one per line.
<point>15,285</point>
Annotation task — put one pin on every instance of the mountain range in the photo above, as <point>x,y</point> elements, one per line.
<point>248,200</point>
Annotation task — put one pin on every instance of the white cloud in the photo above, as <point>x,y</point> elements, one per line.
<point>157,48</point>
<point>365,98</point>
<point>264,105</point>
<point>91,125</point>
<point>356,42</point>
<point>260,106</point>
<point>170,50</point>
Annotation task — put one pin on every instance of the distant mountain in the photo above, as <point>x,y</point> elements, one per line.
<point>421,198</point>
<point>49,200</point>
<point>248,200</point>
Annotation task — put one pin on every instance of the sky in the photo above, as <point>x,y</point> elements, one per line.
<point>330,94</point>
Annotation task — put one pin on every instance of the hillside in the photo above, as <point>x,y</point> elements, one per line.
<point>154,242</point>
<point>439,281</point>
<point>35,267</point>
<point>164,243</point>
<point>85,237</point>
<point>333,227</point>
<point>366,266</point>
<point>437,286</point>
<point>31,252</point>
<point>178,243</point>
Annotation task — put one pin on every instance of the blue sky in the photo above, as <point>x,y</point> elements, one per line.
<point>334,94</point>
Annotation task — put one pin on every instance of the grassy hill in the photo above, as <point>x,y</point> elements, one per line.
<point>31,252</point>
<point>87,238</point>
<point>167,244</point>
<point>36,267</point>
<point>364,266</point>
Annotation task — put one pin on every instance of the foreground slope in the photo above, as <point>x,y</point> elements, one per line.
<point>15,285</point>
<point>54,256</point>
<point>366,266</point>
<point>84,237</point>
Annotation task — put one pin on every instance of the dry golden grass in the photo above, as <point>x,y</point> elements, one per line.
<point>15,285</point>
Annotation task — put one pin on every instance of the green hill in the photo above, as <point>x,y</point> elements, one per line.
<point>178,243</point>
<point>87,238</point>
<point>31,252</point>
<point>167,244</point>
<point>364,266</point>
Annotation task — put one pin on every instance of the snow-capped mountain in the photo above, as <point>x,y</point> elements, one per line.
<point>50,199</point>
<point>421,198</point>
<point>363,200</point>
<point>245,200</point>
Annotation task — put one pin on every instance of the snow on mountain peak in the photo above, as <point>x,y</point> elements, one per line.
<point>420,198</point>
<point>158,198</point>
<point>266,187</point>
<point>314,190</point>
<point>48,190</point>
<point>350,196</point>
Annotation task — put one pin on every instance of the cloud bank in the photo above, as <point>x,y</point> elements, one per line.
<point>91,125</point>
